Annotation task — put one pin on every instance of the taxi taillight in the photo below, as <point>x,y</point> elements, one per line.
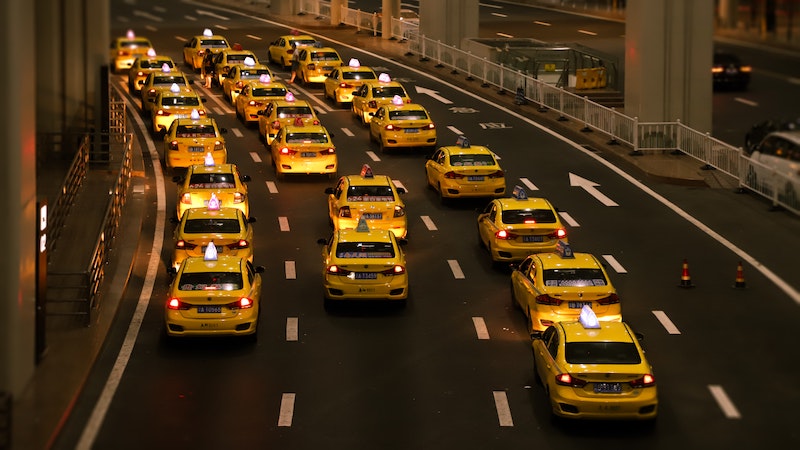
<point>240,244</point>
<point>372,104</point>
<point>408,100</point>
<point>558,234</point>
<point>201,112</point>
<point>399,211</point>
<point>122,53</point>
<point>389,127</point>
<point>345,85</point>
<point>545,299</point>
<point>287,151</point>
<point>430,126</point>
<point>497,174</point>
<point>173,145</point>
<point>344,211</point>
<point>254,103</point>
<point>242,303</point>
<point>610,300</point>
<point>329,151</point>
<point>645,380</point>
<point>176,304</point>
<point>453,175</point>
<point>162,112</point>
<point>183,245</point>
<point>315,122</point>
<point>505,234</point>
<point>333,269</point>
<point>566,379</point>
<point>239,84</point>
<point>238,197</point>
<point>276,125</point>
<point>186,199</point>
<point>219,145</point>
<point>396,270</point>
<point>140,74</point>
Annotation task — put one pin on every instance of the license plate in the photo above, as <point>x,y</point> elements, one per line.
<point>308,154</point>
<point>475,178</point>
<point>579,305</point>
<point>366,275</point>
<point>209,309</point>
<point>196,149</point>
<point>373,216</point>
<point>411,130</point>
<point>607,388</point>
<point>532,238</point>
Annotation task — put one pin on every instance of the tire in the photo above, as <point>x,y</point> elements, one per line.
<point>514,302</point>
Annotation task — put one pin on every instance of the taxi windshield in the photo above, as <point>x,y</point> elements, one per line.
<point>370,194</point>
<point>574,277</point>
<point>307,138</point>
<point>601,353</point>
<point>180,101</point>
<point>253,74</point>
<point>269,92</point>
<point>388,91</point>
<point>211,281</point>
<point>364,250</point>
<point>195,131</point>
<point>515,216</point>
<point>472,160</point>
<point>358,75</point>
<point>324,56</point>
<point>294,111</point>
<point>213,43</point>
<point>212,181</point>
<point>416,114</point>
<point>212,225</point>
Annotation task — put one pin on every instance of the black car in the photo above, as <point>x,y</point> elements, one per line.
<point>729,73</point>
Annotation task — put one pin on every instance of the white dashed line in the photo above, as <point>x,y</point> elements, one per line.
<point>666,323</point>
<point>191,18</point>
<point>528,184</point>
<point>500,15</point>
<point>399,184</point>
<point>284,223</point>
<point>287,409</point>
<point>429,223</point>
<point>237,132</point>
<point>455,130</point>
<point>253,36</point>
<point>590,33</point>
<point>456,269</point>
<point>503,411</point>
<point>290,270</point>
<point>724,402</point>
<point>373,156</point>
<point>746,102</point>
<point>567,218</point>
<point>291,329</point>
<point>544,24</point>
<point>255,157</point>
<point>150,28</point>
<point>480,327</point>
<point>505,35</point>
<point>614,264</point>
<point>348,132</point>
<point>271,187</point>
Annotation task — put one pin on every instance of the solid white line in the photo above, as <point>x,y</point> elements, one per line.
<point>283,221</point>
<point>98,415</point>
<point>289,268</point>
<point>348,132</point>
<point>528,184</point>
<point>503,411</point>
<point>480,327</point>
<point>488,5</point>
<point>373,156</point>
<point>455,130</point>
<point>590,33</point>
<point>255,157</point>
<point>287,410</point>
<point>291,329</point>
<point>236,132</point>
<point>499,15</point>
<point>666,322</point>
<point>724,402</point>
<point>429,223</point>
<point>456,269</point>
<point>567,218</point>
<point>544,24</point>
<point>614,264</point>
<point>745,101</point>
<point>271,187</point>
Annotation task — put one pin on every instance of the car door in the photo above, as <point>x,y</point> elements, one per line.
<point>520,284</point>
<point>331,82</point>
<point>359,97</point>
<point>334,199</point>
<point>434,167</point>
<point>378,121</point>
<point>486,223</point>
<point>546,354</point>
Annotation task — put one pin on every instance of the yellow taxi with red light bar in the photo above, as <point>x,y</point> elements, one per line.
<point>372,94</point>
<point>195,48</point>
<point>175,103</point>
<point>241,74</point>
<point>254,97</point>
<point>191,140</point>
<point>364,264</point>
<point>211,183</point>
<point>316,63</point>
<point>344,80</point>
<point>513,228</point>
<point>281,49</point>
<point>214,295</point>
<point>229,57</point>
<point>227,228</point>
<point>144,65</point>
<point>374,198</point>
<point>464,170</point>
<point>125,49</point>
<point>402,125</point>
<point>595,370</point>
<point>303,149</point>
<point>555,286</point>
<point>284,112</point>
<point>159,80</point>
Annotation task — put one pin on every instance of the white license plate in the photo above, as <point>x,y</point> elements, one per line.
<point>209,309</point>
<point>308,154</point>
<point>475,178</point>
<point>532,238</point>
<point>411,130</point>
<point>373,216</point>
<point>366,275</point>
<point>607,388</point>
<point>196,149</point>
<point>579,305</point>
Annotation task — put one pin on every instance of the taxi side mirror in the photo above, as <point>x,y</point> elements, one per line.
<point>204,99</point>
<point>244,178</point>
<point>140,82</point>
<point>639,336</point>
<point>260,269</point>
<point>371,114</point>
<point>401,190</point>
<point>260,112</point>
<point>190,81</point>
<point>172,271</point>
<point>402,241</point>
<point>178,179</point>
<point>322,241</point>
<point>251,219</point>
<point>223,130</point>
<point>174,220</point>
<point>329,190</point>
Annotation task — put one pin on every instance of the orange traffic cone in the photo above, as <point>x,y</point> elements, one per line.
<point>686,280</point>
<point>739,277</point>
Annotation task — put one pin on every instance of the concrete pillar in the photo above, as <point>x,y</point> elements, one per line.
<point>389,9</point>
<point>449,21</point>
<point>336,11</point>
<point>668,54</point>
<point>50,116</point>
<point>73,47</point>
<point>18,185</point>
<point>98,40</point>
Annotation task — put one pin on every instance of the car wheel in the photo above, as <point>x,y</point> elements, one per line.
<point>529,321</point>
<point>442,199</point>
<point>514,301</point>
<point>382,146</point>
<point>481,244</point>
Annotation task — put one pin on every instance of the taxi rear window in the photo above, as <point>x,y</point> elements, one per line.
<point>324,56</point>
<point>155,64</point>
<point>306,138</point>
<point>235,59</point>
<point>135,43</point>
<point>195,131</point>
<point>515,216</point>
<point>202,226</point>
<point>180,101</point>
<point>213,43</point>
<point>293,111</point>
<point>408,115</point>
<point>471,160</point>
<point>574,277</point>
<point>358,75</point>
<point>269,92</point>
<point>254,74</point>
<point>212,181</point>
<point>388,91</point>
<point>370,194</point>
<point>167,81</point>
<point>601,353</point>
<point>211,281</point>
<point>364,250</point>
<point>302,42</point>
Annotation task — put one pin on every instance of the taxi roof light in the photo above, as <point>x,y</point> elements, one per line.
<point>130,34</point>
<point>397,100</point>
<point>462,141</point>
<point>564,250</point>
<point>384,78</point>
<point>151,52</point>
<point>213,202</point>
<point>354,63</point>
<point>211,252</point>
<point>588,318</point>
<point>165,68</point>
<point>207,32</point>
<point>362,226</point>
<point>519,193</point>
<point>289,97</point>
<point>175,88</point>
<point>264,78</point>
<point>366,171</point>
<point>209,160</point>
<point>249,61</point>
<point>195,115</point>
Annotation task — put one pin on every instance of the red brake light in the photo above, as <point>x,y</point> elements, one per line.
<point>218,145</point>
<point>389,127</point>
<point>275,125</point>
<point>162,112</point>
<point>505,234</point>
<point>610,300</point>
<point>646,380</point>
<point>174,303</point>
<point>239,84</point>
<point>431,126</point>
<point>336,270</point>
<point>545,299</point>
<point>497,174</point>
<point>329,151</point>
<point>173,145</point>
<point>186,198</point>
<point>242,303</point>
<point>399,211</point>
<point>558,234</point>
<point>287,151</point>
<point>345,85</point>
<point>344,211</point>
<point>183,245</point>
<point>453,175</point>
<point>241,243</point>
<point>566,379</point>
<point>238,197</point>
<point>396,270</point>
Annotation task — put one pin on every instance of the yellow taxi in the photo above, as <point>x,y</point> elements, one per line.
<point>255,95</point>
<point>555,286</point>
<point>372,197</point>
<point>214,295</point>
<point>284,112</point>
<point>191,140</point>
<point>402,125</point>
<point>229,57</point>
<point>280,50</point>
<point>174,103</point>
<point>364,264</point>
<point>303,149</point>
<point>513,228</point>
<point>595,370</point>
<point>316,63</point>
<point>240,74</point>
<point>372,94</point>
<point>125,49</point>
<point>228,229</point>
<point>344,80</point>
<point>195,48</point>
<point>464,170</point>
<point>159,80</point>
<point>212,183</point>
<point>143,66</point>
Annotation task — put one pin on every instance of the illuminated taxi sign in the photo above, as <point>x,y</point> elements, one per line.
<point>366,171</point>
<point>384,78</point>
<point>213,202</point>
<point>165,68</point>
<point>354,63</point>
<point>207,32</point>
<point>130,34</point>
<point>289,97</point>
<point>211,252</point>
<point>209,161</point>
<point>175,88</point>
<point>588,318</point>
<point>564,250</point>
<point>151,52</point>
<point>362,226</point>
<point>264,78</point>
<point>462,142</point>
<point>519,193</point>
<point>397,100</point>
<point>249,61</point>
<point>195,115</point>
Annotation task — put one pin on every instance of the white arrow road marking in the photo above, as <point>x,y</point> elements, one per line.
<point>284,223</point>
<point>202,12</point>
<point>480,327</point>
<point>429,223</point>
<point>503,411</point>
<point>589,186</point>
<point>271,187</point>
<point>433,94</point>
<point>528,184</point>
<point>287,409</point>
<point>615,264</point>
<point>666,322</point>
<point>456,269</point>
<point>291,329</point>
<point>567,218</point>
<point>255,157</point>
<point>290,270</point>
<point>724,402</point>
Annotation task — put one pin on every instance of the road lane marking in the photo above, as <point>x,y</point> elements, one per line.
<point>253,36</point>
<point>291,329</point>
<point>746,101</point>
<point>399,184</point>
<point>237,132</point>
<point>480,327</point>
<point>591,188</point>
<point>614,264</point>
<point>283,221</point>
<point>429,223</point>
<point>724,402</point>
<point>456,269</point>
<point>348,132</point>
<point>528,184</point>
<point>373,156</point>
<point>499,15</point>
<point>255,157</point>
<point>290,270</point>
<point>590,33</point>
<point>666,323</point>
<point>544,24</point>
<point>455,130</point>
<point>567,218</point>
<point>505,35</point>
<point>271,187</point>
<point>503,411</point>
<point>287,409</point>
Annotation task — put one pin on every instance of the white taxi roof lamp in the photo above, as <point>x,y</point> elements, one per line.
<point>130,34</point>
<point>289,97</point>
<point>211,252</point>
<point>519,193</point>
<point>195,115</point>
<point>213,202</point>
<point>151,52</point>
<point>175,88</point>
<point>564,250</point>
<point>366,171</point>
<point>354,63</point>
<point>397,100</point>
<point>384,78</point>
<point>165,68</point>
<point>249,61</point>
<point>588,318</point>
<point>209,161</point>
<point>264,78</point>
<point>207,32</point>
<point>362,226</point>
<point>462,142</point>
